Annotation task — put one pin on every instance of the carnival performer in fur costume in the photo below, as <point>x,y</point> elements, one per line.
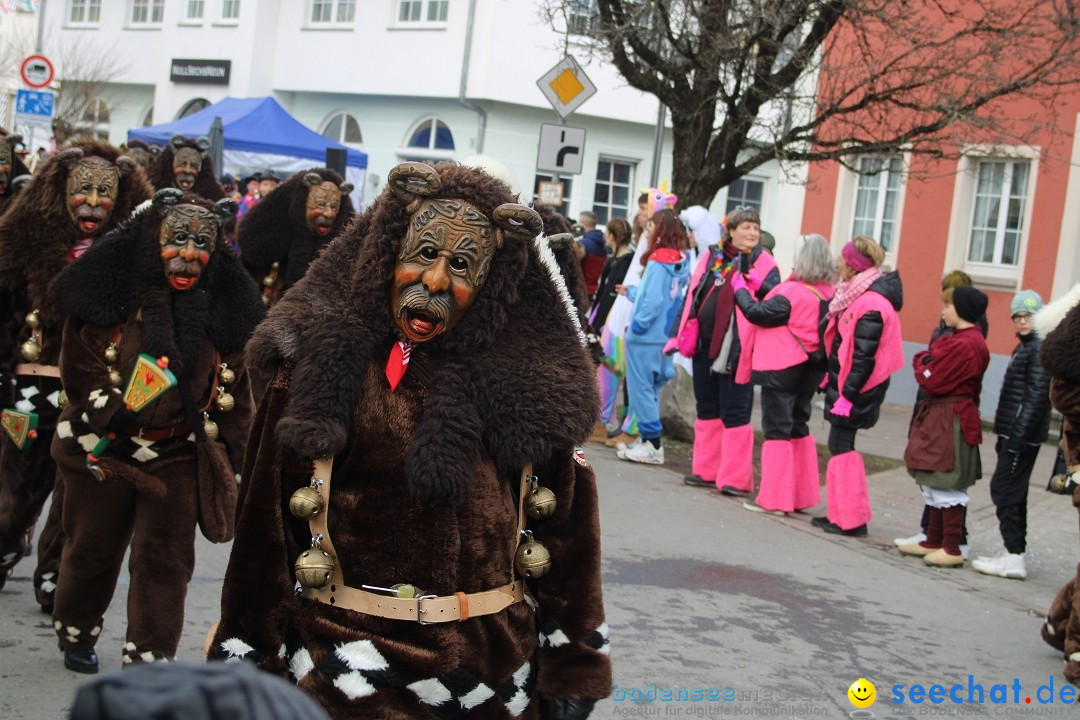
<point>143,459</point>
<point>1059,325</point>
<point>431,366</point>
<point>77,196</point>
<point>185,164</point>
<point>11,167</point>
<point>281,235</point>
<point>141,152</point>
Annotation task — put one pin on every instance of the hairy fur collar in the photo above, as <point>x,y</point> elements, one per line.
<point>161,175</point>
<point>123,273</point>
<point>275,230</point>
<point>1059,325</point>
<point>36,232</point>
<point>511,380</point>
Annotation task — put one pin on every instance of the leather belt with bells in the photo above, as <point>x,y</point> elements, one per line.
<point>423,609</point>
<point>36,369</point>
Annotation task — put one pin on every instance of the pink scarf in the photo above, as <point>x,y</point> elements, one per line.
<point>848,292</point>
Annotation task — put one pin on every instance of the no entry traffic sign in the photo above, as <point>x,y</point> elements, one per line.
<point>37,71</point>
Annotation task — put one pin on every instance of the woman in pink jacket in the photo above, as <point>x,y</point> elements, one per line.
<point>787,362</point>
<point>863,337</point>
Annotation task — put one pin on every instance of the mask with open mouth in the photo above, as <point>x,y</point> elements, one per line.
<point>323,205</point>
<point>92,187</point>
<point>444,261</point>
<point>187,162</point>
<point>188,237</point>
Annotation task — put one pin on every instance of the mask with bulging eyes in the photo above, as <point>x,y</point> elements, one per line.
<point>93,184</point>
<point>323,206</point>
<point>187,162</point>
<point>188,237</point>
<point>444,261</point>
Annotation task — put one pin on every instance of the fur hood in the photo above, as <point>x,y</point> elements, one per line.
<point>161,169</point>
<point>510,381</point>
<point>36,232</point>
<point>1058,323</point>
<point>123,273</point>
<point>275,229</point>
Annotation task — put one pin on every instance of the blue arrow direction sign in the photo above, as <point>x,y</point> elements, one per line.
<point>34,106</point>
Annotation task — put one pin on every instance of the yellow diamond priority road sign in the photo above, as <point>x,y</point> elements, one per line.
<point>566,86</point>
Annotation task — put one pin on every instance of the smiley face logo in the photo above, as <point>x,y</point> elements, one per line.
<point>862,693</point>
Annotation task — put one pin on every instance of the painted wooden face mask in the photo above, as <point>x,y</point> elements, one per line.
<point>323,206</point>
<point>443,263</point>
<point>187,162</point>
<point>188,237</point>
<point>93,184</point>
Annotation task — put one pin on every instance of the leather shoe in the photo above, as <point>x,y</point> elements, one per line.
<point>80,661</point>
<point>697,481</point>
<point>834,529</point>
<point>571,709</point>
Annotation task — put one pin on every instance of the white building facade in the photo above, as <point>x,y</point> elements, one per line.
<point>388,77</point>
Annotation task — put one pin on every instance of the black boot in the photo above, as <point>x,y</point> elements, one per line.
<point>80,661</point>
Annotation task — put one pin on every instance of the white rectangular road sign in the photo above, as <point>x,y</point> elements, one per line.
<point>561,149</point>
<point>34,107</point>
<point>566,86</point>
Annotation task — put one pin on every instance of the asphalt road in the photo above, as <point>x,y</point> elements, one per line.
<point>715,611</point>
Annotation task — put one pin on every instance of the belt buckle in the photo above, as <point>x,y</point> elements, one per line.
<point>420,608</point>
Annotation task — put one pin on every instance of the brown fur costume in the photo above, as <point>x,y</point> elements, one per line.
<point>424,484</point>
<point>18,168</point>
<point>154,487</point>
<point>161,175</point>
<point>275,230</point>
<point>142,153</point>
<point>1059,323</point>
<point>36,238</point>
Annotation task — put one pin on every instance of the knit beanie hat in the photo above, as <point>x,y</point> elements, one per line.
<point>1027,301</point>
<point>182,691</point>
<point>970,303</point>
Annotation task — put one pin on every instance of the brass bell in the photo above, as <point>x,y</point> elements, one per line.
<point>62,399</point>
<point>269,281</point>
<point>532,560</point>
<point>210,428</point>
<point>540,503</point>
<point>314,568</point>
<point>224,401</point>
<point>306,502</point>
<point>30,350</point>
<point>115,377</point>
<point>228,377</point>
<point>111,354</point>
<point>33,319</point>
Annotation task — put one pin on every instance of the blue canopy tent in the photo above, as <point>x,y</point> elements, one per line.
<point>260,135</point>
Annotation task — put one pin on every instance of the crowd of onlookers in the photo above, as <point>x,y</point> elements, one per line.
<point>685,287</point>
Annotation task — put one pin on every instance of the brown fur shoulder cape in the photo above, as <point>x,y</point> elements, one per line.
<point>511,380</point>
<point>206,182</point>
<point>275,229</point>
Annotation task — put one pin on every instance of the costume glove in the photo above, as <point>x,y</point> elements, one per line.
<point>753,281</point>
<point>671,346</point>
<point>738,282</point>
<point>842,407</point>
<point>571,709</point>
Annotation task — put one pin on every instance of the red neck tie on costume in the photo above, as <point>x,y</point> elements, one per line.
<point>398,363</point>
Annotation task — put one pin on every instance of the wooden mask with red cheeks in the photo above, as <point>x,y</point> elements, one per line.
<point>323,204</point>
<point>186,164</point>
<point>188,235</point>
<point>93,184</point>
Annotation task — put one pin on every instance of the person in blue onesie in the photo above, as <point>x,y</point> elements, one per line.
<point>656,303</point>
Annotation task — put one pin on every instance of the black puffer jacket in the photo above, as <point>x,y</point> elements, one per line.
<point>1023,411</point>
<point>866,406</point>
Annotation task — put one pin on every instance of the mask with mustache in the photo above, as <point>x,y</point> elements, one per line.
<point>188,237</point>
<point>444,261</point>
<point>93,184</point>
<point>187,162</point>
<point>323,205</point>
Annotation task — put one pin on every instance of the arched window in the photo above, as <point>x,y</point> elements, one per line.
<point>148,118</point>
<point>342,127</point>
<point>193,107</point>
<point>431,134</point>
<point>95,120</point>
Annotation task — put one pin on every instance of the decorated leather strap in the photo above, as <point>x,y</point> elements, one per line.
<point>424,608</point>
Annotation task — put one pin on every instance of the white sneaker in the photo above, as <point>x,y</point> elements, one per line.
<point>1006,565</point>
<point>913,540</point>
<point>624,446</point>
<point>643,452</point>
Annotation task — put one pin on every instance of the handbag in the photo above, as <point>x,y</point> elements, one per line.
<point>687,341</point>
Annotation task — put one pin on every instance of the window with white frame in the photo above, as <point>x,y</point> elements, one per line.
<point>422,12</point>
<point>332,12</point>
<point>230,10</point>
<point>192,107</point>
<point>998,211</point>
<point>194,9</point>
<point>877,199</point>
<point>84,12</point>
<point>582,17</point>
<point>431,134</point>
<point>745,193</point>
<point>147,12</point>
<point>342,127</point>
<point>611,194</point>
